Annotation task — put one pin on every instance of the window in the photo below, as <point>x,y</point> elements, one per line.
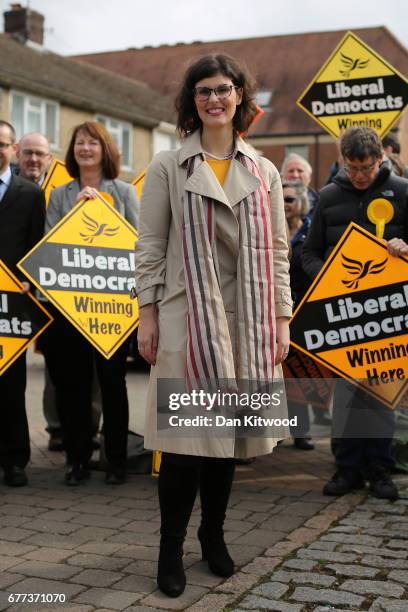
<point>121,133</point>
<point>263,99</point>
<point>164,141</point>
<point>32,114</point>
<point>302,150</point>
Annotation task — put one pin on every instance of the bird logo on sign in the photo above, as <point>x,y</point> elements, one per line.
<point>351,64</point>
<point>359,270</point>
<point>96,229</point>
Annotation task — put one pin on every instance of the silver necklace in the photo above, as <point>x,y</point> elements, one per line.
<point>217,157</point>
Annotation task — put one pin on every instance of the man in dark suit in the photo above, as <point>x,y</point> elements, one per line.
<point>22,210</point>
<point>34,160</point>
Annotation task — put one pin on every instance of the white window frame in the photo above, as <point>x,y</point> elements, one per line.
<point>27,97</point>
<point>169,132</point>
<point>298,149</point>
<point>117,133</point>
<point>263,99</point>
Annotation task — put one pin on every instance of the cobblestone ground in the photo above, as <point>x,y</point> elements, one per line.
<point>358,564</point>
<point>295,549</point>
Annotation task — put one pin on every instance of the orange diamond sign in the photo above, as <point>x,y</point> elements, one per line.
<point>22,318</point>
<point>85,267</point>
<point>57,175</point>
<point>355,86</point>
<point>354,318</point>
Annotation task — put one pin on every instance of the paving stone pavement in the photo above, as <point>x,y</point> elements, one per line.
<point>296,550</point>
<point>347,567</point>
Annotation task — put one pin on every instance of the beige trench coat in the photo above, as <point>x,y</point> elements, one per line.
<point>160,273</point>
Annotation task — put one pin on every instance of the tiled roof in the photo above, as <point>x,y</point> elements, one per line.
<point>80,85</point>
<point>285,64</point>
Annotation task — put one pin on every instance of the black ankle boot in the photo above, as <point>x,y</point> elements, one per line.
<point>215,487</point>
<point>171,578</point>
<point>215,552</point>
<point>178,484</point>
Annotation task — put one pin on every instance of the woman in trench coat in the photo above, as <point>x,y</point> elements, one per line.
<point>214,297</point>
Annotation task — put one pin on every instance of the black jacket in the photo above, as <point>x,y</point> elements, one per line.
<point>340,203</point>
<point>22,213</point>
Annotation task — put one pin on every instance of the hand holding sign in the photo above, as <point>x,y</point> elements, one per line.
<point>397,247</point>
<point>354,319</point>
<point>85,267</point>
<point>380,211</point>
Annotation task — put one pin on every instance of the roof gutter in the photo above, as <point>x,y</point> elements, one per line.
<point>285,134</point>
<point>76,101</point>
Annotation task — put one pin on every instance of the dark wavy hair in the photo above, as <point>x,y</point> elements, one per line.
<point>360,142</point>
<point>110,152</point>
<point>208,66</point>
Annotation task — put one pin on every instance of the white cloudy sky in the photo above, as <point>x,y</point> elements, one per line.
<point>84,26</point>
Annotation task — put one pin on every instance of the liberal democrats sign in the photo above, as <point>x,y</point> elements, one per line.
<point>354,318</point>
<point>356,86</point>
<point>85,267</point>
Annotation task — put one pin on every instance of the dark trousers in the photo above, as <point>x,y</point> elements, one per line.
<point>70,360</point>
<point>179,480</point>
<point>362,454</point>
<point>301,412</point>
<point>14,435</point>
<point>115,406</point>
<point>363,429</point>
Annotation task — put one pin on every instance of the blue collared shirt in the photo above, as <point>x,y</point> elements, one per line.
<point>6,180</point>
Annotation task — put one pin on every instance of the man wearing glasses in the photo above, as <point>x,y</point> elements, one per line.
<point>34,157</point>
<point>22,210</point>
<point>363,179</point>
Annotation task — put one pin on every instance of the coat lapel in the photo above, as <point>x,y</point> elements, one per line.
<point>203,182</point>
<point>239,183</point>
<point>73,190</point>
<point>11,193</point>
<point>108,186</point>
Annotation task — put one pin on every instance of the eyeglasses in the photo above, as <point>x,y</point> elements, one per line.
<point>289,199</point>
<point>221,91</point>
<point>5,145</point>
<point>30,153</point>
<point>353,170</point>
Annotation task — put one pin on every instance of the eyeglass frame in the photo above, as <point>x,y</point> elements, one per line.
<point>212,90</point>
<point>365,170</point>
<point>31,153</point>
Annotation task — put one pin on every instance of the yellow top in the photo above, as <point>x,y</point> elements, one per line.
<point>220,168</point>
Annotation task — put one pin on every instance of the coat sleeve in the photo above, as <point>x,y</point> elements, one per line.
<point>314,246</point>
<point>131,206</point>
<point>54,210</point>
<point>283,298</point>
<point>151,248</point>
<point>37,219</point>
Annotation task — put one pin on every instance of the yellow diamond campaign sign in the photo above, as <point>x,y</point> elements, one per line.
<point>85,267</point>
<point>354,318</point>
<point>57,175</point>
<point>356,86</point>
<point>22,318</point>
